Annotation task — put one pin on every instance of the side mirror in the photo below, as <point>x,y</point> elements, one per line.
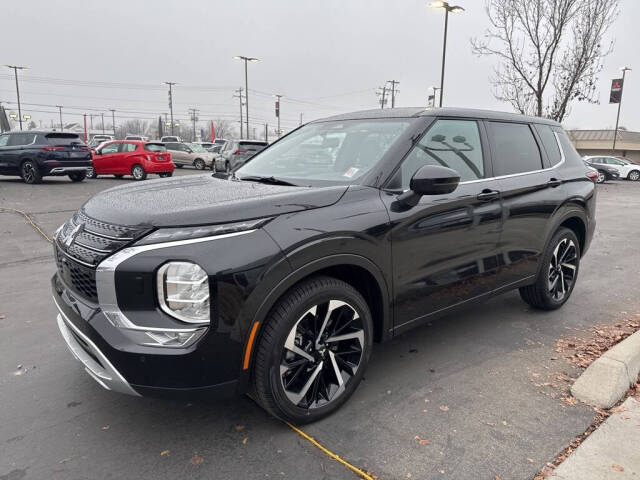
<point>429,180</point>
<point>97,152</point>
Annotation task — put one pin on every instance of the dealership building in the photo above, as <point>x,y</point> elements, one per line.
<point>600,142</point>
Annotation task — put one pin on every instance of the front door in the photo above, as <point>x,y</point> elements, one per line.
<point>445,248</point>
<point>104,162</point>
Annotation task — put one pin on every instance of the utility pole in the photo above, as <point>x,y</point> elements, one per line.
<point>266,132</point>
<point>91,118</point>
<point>193,113</point>
<point>15,69</point>
<point>61,125</point>
<point>383,95</point>
<point>431,101</point>
<point>615,134</point>
<point>393,92</point>
<point>246,85</point>
<point>239,96</point>
<point>278,97</point>
<point>171,84</point>
<point>102,115</point>
<point>113,121</point>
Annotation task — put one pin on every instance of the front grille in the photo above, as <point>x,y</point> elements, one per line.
<point>82,243</point>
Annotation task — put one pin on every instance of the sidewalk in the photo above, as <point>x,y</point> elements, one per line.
<point>611,452</point>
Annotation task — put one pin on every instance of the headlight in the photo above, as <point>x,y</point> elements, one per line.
<point>183,291</point>
<point>192,233</point>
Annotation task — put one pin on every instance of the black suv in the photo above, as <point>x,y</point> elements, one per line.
<point>278,278</point>
<point>33,155</point>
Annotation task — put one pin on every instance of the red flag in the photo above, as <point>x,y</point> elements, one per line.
<point>213,132</point>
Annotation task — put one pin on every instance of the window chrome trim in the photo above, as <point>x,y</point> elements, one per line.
<point>106,284</point>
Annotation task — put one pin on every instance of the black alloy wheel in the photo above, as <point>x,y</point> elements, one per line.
<point>91,173</point>
<point>30,173</point>
<point>77,176</point>
<point>558,272</point>
<point>313,351</point>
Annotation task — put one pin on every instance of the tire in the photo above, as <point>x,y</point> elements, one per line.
<point>30,173</point>
<point>634,175</point>
<point>199,164</point>
<point>313,388</point>
<point>554,283</point>
<point>77,176</point>
<point>602,177</point>
<point>138,172</point>
<point>179,165</point>
<point>119,176</point>
<point>91,173</point>
<point>165,174</point>
<point>227,167</point>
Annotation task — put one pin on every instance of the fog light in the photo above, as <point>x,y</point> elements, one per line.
<point>183,291</point>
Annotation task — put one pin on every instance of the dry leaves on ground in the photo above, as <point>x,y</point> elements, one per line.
<point>196,460</point>
<point>444,408</point>
<point>421,441</point>
<point>164,453</point>
<point>617,468</point>
<point>239,427</point>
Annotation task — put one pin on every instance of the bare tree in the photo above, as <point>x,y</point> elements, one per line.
<point>133,127</point>
<point>224,128</point>
<point>550,51</point>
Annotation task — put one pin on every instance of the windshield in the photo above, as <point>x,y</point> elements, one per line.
<point>196,148</point>
<point>338,151</point>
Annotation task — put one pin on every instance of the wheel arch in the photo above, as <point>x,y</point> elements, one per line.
<point>358,271</point>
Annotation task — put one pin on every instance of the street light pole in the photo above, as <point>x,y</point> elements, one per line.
<point>615,134</point>
<point>15,69</point>
<point>447,8</point>
<point>102,115</point>
<point>246,85</point>
<point>171,84</point>
<point>61,125</point>
<point>113,121</point>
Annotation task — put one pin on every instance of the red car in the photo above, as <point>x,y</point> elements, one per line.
<point>131,157</point>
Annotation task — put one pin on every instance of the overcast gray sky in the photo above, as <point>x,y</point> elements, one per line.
<point>325,57</point>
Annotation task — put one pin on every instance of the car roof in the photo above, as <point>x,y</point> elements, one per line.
<point>39,132</point>
<point>408,112</point>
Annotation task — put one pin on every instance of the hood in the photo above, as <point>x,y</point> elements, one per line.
<point>201,200</point>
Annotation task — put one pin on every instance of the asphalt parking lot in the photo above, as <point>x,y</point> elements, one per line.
<point>456,399</point>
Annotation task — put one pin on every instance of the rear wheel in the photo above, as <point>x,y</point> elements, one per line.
<point>30,173</point>
<point>91,173</point>
<point>601,177</point>
<point>558,273</point>
<point>179,165</point>
<point>138,172</point>
<point>199,164</point>
<point>313,350</point>
<point>634,175</point>
<point>77,176</point>
<point>227,167</point>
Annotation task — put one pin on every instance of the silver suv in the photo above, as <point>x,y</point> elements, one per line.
<point>236,153</point>
<point>189,154</point>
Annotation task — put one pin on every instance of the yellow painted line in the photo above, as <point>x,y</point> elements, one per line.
<point>329,453</point>
<point>29,220</point>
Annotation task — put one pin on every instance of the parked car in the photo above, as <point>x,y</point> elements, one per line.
<point>236,153</point>
<point>36,154</point>
<point>605,171</point>
<point>170,138</point>
<point>96,140</point>
<point>205,145</point>
<point>625,168</point>
<point>278,279</point>
<point>137,137</point>
<point>189,154</point>
<point>131,157</point>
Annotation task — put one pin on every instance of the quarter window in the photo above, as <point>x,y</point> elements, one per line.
<point>3,140</point>
<point>514,148</point>
<point>550,144</point>
<point>451,143</point>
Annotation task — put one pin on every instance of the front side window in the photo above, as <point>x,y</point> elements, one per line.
<point>450,143</point>
<point>514,148</point>
<point>339,151</point>
<point>111,148</point>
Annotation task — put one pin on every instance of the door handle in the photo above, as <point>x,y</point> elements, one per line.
<point>487,195</point>
<point>554,182</point>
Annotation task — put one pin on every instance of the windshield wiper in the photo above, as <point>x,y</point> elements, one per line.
<point>270,180</point>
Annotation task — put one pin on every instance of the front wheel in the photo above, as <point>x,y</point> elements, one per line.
<point>313,350</point>
<point>558,272</point>
<point>91,173</point>
<point>138,172</point>
<point>77,176</point>
<point>634,175</point>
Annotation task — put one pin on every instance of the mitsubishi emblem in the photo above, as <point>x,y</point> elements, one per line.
<point>72,236</point>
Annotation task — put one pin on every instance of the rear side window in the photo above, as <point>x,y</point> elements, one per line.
<point>549,143</point>
<point>3,140</point>
<point>451,143</point>
<point>154,147</point>
<point>570,153</point>
<point>64,139</point>
<point>514,148</point>
<point>128,147</point>
<point>21,139</point>
<point>253,146</point>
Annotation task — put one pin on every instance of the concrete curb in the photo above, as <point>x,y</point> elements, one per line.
<point>607,379</point>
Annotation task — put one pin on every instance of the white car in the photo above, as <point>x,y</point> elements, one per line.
<point>628,170</point>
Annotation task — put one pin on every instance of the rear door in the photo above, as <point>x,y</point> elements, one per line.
<point>126,158</point>
<point>532,190</point>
